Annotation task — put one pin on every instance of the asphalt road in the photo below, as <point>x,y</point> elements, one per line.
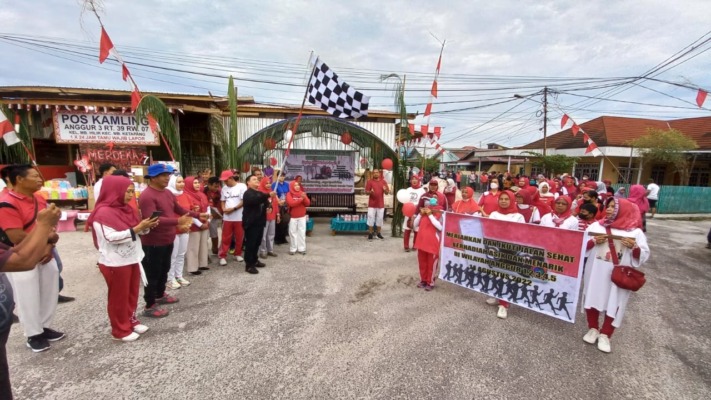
<point>346,321</point>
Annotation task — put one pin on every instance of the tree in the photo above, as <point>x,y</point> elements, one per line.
<point>552,163</point>
<point>666,146</point>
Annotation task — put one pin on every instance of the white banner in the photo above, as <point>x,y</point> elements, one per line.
<point>109,127</point>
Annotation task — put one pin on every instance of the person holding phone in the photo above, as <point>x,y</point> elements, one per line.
<point>115,229</point>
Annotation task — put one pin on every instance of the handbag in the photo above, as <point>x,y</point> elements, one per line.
<point>624,276</point>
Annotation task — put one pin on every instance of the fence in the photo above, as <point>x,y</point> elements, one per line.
<point>681,199</point>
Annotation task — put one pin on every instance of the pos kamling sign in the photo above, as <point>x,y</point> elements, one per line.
<point>534,267</point>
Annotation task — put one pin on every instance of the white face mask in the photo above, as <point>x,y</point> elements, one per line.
<point>494,185</point>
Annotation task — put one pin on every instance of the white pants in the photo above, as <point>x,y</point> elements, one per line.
<point>196,255</point>
<point>177,258</point>
<point>267,245</point>
<point>375,216</point>
<point>297,234</point>
<point>36,296</point>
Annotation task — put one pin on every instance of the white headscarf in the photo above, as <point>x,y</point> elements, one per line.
<point>171,185</point>
<point>546,194</point>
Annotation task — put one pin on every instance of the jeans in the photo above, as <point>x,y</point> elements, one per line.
<point>156,263</point>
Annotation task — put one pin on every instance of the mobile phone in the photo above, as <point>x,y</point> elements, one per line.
<point>156,214</point>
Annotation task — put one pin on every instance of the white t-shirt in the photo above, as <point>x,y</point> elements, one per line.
<point>233,196</point>
<point>653,191</point>
<point>97,188</point>
<point>513,217</point>
<point>414,195</point>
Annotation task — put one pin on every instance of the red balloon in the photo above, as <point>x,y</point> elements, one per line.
<point>246,166</point>
<point>269,143</point>
<point>346,138</point>
<point>408,209</point>
<point>273,161</point>
<point>387,164</point>
<point>363,162</point>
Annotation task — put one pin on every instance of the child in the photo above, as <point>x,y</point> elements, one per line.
<point>429,222</point>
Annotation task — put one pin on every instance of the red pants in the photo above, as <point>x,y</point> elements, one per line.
<point>594,322</point>
<point>406,238</point>
<point>229,229</point>
<point>427,262</point>
<point>123,283</point>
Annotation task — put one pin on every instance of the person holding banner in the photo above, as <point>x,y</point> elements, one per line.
<point>432,193</point>
<point>524,202</point>
<point>561,216</point>
<point>429,225</point>
<point>489,201</point>
<point>506,211</point>
<point>414,192</point>
<point>376,189</point>
<point>115,229</point>
<point>466,205</point>
<point>620,232</point>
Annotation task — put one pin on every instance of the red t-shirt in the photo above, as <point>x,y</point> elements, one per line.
<point>23,211</point>
<point>489,202</point>
<point>376,199</point>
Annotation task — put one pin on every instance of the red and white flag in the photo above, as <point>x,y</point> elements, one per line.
<point>7,130</point>
<point>106,47</point>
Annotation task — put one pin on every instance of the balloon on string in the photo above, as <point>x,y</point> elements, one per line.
<point>269,143</point>
<point>403,196</point>
<point>273,161</point>
<point>346,138</point>
<point>246,166</point>
<point>363,162</point>
<point>408,209</point>
<point>387,164</point>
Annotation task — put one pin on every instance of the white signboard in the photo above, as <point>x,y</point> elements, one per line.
<point>108,127</point>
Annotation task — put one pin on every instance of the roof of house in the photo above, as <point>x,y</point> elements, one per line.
<point>616,131</point>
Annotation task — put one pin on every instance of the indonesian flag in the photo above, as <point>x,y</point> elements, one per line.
<point>701,97</point>
<point>106,47</point>
<point>7,131</point>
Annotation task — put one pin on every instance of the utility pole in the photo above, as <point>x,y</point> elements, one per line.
<point>545,120</point>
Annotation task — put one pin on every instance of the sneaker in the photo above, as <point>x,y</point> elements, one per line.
<point>167,299</point>
<point>502,313</point>
<point>492,301</point>
<point>155,312</point>
<point>252,270</point>
<point>260,264</point>
<point>223,262</point>
<point>140,329</point>
<point>173,284</point>
<point>52,335</point>
<point>262,255</point>
<point>272,254</point>
<point>380,236</point>
<point>303,253</point>
<point>421,285</point>
<point>407,250</point>
<point>603,344</point>
<point>37,343</point>
<point>64,299</point>
<point>198,272</point>
<point>428,288</point>
<point>591,336</point>
<point>130,338</point>
<point>183,282</point>
<point>206,268</point>
<point>370,236</point>
<point>239,258</point>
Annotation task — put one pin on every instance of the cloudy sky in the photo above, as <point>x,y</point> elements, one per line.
<point>584,52</point>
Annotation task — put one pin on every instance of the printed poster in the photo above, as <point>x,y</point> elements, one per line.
<point>322,171</point>
<point>531,266</point>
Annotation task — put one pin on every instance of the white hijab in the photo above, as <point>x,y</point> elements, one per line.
<point>171,185</point>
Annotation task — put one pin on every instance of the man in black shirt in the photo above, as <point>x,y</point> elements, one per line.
<point>255,204</point>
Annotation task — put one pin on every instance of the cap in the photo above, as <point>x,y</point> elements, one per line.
<point>226,174</point>
<point>157,169</point>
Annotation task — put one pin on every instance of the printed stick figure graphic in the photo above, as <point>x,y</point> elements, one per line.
<point>548,299</point>
<point>562,301</point>
<point>524,295</point>
<point>458,274</point>
<point>469,278</point>
<point>448,268</point>
<point>534,297</point>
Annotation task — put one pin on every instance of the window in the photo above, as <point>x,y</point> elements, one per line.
<point>699,177</point>
<point>592,171</point>
<point>658,174</point>
<point>625,174</point>
<point>535,171</point>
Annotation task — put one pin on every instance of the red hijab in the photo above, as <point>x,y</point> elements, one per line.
<point>110,209</point>
<point>264,185</point>
<point>513,207</point>
<point>638,196</point>
<point>558,219</point>
<point>196,197</point>
<point>468,206</point>
<point>541,205</point>
<point>527,212</point>
<point>626,216</point>
<point>293,191</point>
<point>416,185</point>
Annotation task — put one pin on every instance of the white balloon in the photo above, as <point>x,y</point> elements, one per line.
<point>403,196</point>
<point>288,134</point>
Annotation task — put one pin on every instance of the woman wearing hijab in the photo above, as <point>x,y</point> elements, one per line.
<point>622,224</point>
<point>115,229</point>
<point>180,245</point>
<point>545,194</point>
<point>429,225</point>
<point>569,189</point>
<point>489,201</point>
<point>621,193</point>
<point>297,201</point>
<point>523,182</point>
<point>601,190</point>
<point>544,207</point>
<point>273,218</point>
<point>506,211</point>
<point>524,203</point>
<point>415,191</point>
<point>466,205</point>
<point>196,257</point>
<point>450,193</point>
<point>638,196</point>
<point>561,216</point>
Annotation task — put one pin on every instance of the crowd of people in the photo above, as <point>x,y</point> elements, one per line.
<point>564,203</point>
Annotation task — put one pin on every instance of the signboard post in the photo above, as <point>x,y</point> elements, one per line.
<point>102,128</point>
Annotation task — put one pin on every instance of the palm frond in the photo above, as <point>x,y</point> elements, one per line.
<point>16,154</point>
<point>234,161</point>
<point>154,106</point>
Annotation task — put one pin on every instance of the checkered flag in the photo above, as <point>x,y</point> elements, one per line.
<point>336,98</point>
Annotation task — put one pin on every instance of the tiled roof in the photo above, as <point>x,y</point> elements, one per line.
<point>616,131</point>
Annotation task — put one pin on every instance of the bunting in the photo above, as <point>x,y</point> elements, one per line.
<point>575,129</point>
<point>701,97</point>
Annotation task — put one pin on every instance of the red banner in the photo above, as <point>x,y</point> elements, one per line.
<point>120,156</point>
